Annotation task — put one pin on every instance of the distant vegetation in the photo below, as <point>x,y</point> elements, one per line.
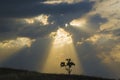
<point>14,74</point>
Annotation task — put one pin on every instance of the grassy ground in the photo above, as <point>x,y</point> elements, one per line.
<point>14,74</point>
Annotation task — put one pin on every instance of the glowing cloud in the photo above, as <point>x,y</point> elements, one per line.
<point>101,39</point>
<point>29,21</point>
<point>58,54</point>
<point>81,24</point>
<point>61,1</point>
<point>17,43</point>
<point>10,47</point>
<point>78,22</point>
<point>108,9</point>
<point>112,24</point>
<point>42,19</point>
<point>61,37</point>
<point>112,57</point>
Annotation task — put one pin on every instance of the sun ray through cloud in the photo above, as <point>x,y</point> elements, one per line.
<point>9,47</point>
<point>81,24</point>
<point>62,48</point>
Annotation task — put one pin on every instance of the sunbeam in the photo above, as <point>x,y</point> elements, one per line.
<point>9,47</point>
<point>61,49</point>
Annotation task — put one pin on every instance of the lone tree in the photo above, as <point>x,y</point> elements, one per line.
<point>68,65</point>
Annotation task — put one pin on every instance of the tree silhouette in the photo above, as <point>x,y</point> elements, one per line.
<point>68,65</point>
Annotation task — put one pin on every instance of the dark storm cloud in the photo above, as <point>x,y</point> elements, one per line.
<point>32,8</point>
<point>16,8</point>
<point>8,25</point>
<point>35,31</point>
<point>9,28</point>
<point>60,14</point>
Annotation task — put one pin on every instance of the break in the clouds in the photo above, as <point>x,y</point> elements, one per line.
<point>93,25</point>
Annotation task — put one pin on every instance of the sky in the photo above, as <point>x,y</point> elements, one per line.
<point>39,34</point>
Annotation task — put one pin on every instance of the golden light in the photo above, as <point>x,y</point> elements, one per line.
<point>61,1</point>
<point>9,47</point>
<point>78,22</point>
<point>62,38</point>
<point>81,24</point>
<point>111,59</point>
<point>29,21</point>
<point>42,19</point>
<point>61,49</point>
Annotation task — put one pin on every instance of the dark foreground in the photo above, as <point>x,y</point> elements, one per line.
<point>14,74</point>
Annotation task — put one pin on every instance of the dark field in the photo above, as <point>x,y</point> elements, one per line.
<point>14,74</point>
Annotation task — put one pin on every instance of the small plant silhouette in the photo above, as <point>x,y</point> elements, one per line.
<point>68,65</point>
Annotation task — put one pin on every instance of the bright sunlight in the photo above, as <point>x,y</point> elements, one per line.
<point>61,49</point>
<point>62,38</point>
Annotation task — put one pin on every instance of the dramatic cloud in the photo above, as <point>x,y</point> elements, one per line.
<point>38,20</point>
<point>107,40</point>
<point>42,19</point>
<point>102,38</point>
<point>108,9</point>
<point>78,22</point>
<point>61,1</point>
<point>92,26</point>
<point>61,37</point>
<point>17,43</point>
<point>112,57</point>
<point>10,47</point>
<point>24,9</point>
<point>112,24</point>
